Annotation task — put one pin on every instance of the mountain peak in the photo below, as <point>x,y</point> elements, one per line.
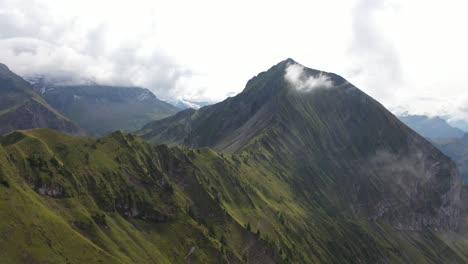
<point>266,99</point>
<point>287,62</point>
<point>317,123</point>
<point>289,75</point>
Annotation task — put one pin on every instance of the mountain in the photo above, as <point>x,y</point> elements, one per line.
<point>103,109</point>
<point>340,154</point>
<point>22,108</point>
<point>431,127</point>
<point>305,169</point>
<point>457,149</point>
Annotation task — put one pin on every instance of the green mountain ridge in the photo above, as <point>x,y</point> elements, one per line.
<point>118,199</point>
<point>22,108</point>
<point>111,200</point>
<point>301,167</point>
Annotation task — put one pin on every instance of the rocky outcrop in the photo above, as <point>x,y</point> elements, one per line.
<point>417,192</point>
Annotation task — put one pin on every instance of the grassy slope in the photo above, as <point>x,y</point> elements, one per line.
<point>120,200</point>
<point>112,200</point>
<point>311,232</point>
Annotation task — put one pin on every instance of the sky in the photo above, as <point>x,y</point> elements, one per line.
<point>411,55</point>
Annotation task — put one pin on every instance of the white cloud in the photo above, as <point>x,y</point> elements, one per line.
<point>401,54</point>
<point>375,59</point>
<point>47,37</point>
<point>201,52</point>
<point>304,82</point>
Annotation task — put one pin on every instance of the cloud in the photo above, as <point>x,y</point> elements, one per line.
<point>203,51</point>
<point>303,82</point>
<point>37,39</point>
<point>375,61</point>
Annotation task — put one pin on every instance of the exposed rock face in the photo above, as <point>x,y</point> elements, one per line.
<point>419,190</point>
<point>51,190</point>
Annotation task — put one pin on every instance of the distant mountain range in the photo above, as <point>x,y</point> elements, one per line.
<point>431,127</point>
<point>301,167</point>
<point>101,109</point>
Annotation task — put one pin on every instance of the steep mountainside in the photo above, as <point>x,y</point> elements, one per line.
<point>376,163</point>
<point>103,109</point>
<point>337,149</point>
<point>431,127</point>
<point>22,108</point>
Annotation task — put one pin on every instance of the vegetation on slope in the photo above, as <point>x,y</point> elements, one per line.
<point>112,200</point>
<point>118,199</point>
<point>334,139</point>
<point>329,158</point>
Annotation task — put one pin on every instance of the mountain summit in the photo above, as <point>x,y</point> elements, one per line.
<point>229,125</point>
<point>329,137</point>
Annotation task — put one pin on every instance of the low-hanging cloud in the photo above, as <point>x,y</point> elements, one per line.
<point>36,41</point>
<point>303,82</point>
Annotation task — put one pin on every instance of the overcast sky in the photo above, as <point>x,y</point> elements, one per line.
<point>411,55</point>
